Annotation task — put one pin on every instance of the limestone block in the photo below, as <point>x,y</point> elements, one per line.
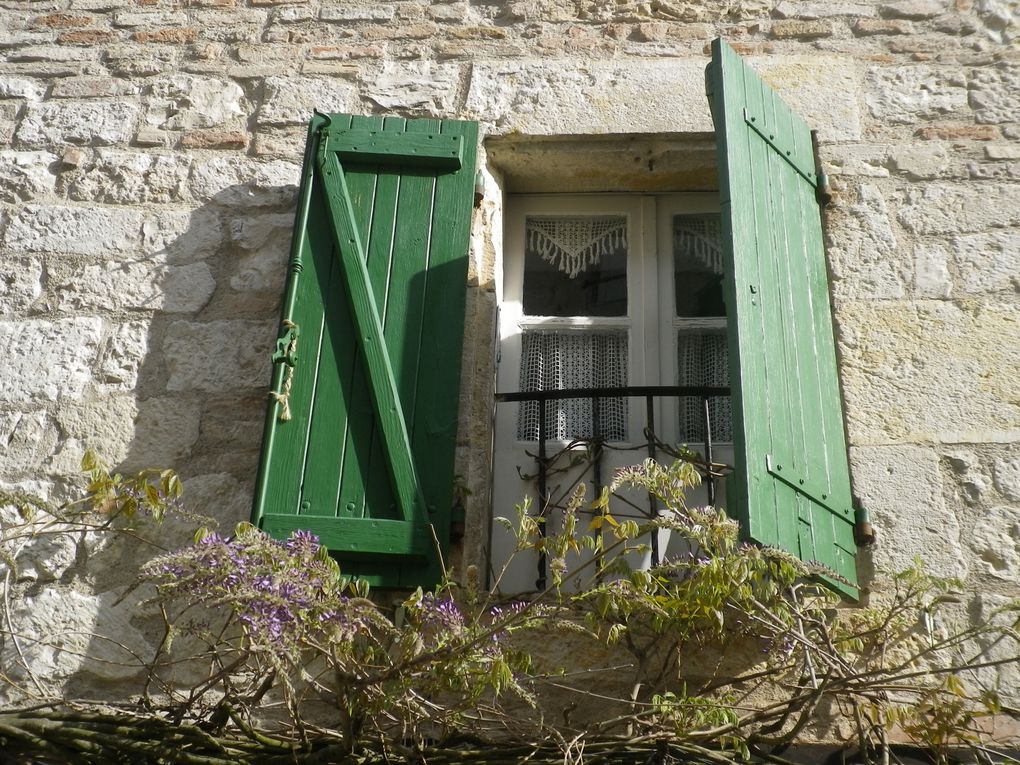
<point>245,182</point>
<point>218,356</point>
<point>930,371</point>
<point>996,171</point>
<point>20,284</point>
<point>73,230</point>
<point>1006,476</point>
<point>906,95</point>
<point>901,486</point>
<point>264,245</point>
<point>786,9</point>
<point>235,426</point>
<point>800,30</point>
<point>540,97</point>
<point>47,557</point>
<point>995,541</point>
<point>413,86</point>
<point>137,285</point>
<point>199,102</point>
<point>55,629</point>
<point>21,87</point>
<point>54,358</point>
<point>652,96</point>
<point>865,257</point>
<point>214,139</point>
<point>995,93</point>
<point>25,175</point>
<point>863,160</point>
<point>987,262</point>
<point>1003,671</point>
<point>28,439</point>
<point>8,120</point>
<point>358,12</point>
<point>921,162</point>
<point>999,18</point>
<point>179,236</point>
<point>943,208</point>
<point>156,432</point>
<point>913,9</point>
<point>294,14</point>
<point>125,350</point>
<point>931,272</point>
<point>868,27</point>
<point>971,477</point>
<point>1002,151</point>
<point>133,178</point>
<point>130,60</point>
<point>93,123</point>
<point>219,496</point>
<point>149,17</point>
<point>292,100</point>
<point>93,87</point>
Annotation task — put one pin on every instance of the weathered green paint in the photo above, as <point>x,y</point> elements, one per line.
<point>791,484</point>
<point>377,291</point>
<point>433,150</point>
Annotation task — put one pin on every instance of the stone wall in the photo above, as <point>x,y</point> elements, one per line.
<point>148,174</point>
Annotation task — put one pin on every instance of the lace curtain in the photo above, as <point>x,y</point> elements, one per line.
<point>703,359</point>
<point>699,238</point>
<point>560,360</point>
<point>572,243</point>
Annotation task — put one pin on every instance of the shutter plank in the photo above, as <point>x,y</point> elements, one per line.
<point>436,414</point>
<point>328,429</point>
<point>284,449</point>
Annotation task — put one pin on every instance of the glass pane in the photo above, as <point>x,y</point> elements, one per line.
<point>697,265</point>
<point>575,265</point>
<point>562,360</point>
<point>703,360</point>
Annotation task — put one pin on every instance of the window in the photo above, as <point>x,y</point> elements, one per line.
<point>603,291</point>
<point>606,291</point>
<point>361,427</point>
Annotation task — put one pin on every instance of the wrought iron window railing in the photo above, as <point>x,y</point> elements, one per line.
<point>595,446</point>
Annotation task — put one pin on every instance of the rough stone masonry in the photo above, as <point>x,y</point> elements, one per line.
<point>149,157</point>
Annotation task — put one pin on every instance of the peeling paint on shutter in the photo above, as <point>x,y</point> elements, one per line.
<point>791,485</point>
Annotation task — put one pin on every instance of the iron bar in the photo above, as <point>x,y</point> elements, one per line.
<point>543,499</point>
<point>653,504</point>
<point>649,392</point>
<point>707,423</point>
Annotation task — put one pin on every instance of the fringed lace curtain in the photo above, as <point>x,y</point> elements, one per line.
<point>702,356</point>
<point>561,360</point>
<point>703,360</point>
<point>698,238</point>
<point>573,243</point>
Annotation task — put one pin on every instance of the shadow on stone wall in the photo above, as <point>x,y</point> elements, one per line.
<point>203,372</point>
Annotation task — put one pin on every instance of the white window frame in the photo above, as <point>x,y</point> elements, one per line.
<point>652,350</point>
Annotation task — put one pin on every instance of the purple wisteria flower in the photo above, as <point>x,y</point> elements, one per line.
<point>282,593</point>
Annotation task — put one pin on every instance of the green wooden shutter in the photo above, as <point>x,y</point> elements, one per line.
<point>791,485</point>
<point>369,358</point>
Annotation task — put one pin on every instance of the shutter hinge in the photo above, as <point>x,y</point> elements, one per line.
<point>479,189</point>
<point>823,191</point>
<point>864,532</point>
